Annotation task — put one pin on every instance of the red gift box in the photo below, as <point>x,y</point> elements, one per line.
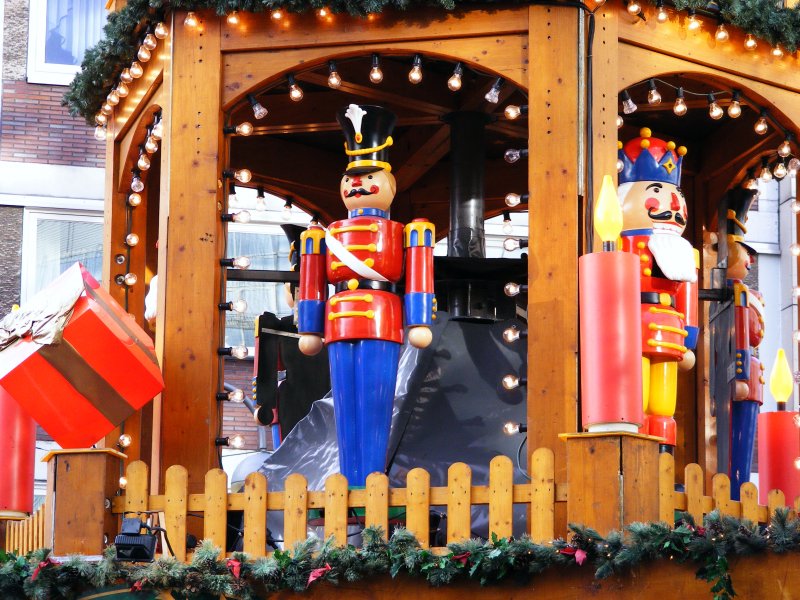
<point>90,374</point>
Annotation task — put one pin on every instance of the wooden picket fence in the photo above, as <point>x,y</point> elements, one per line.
<point>26,535</point>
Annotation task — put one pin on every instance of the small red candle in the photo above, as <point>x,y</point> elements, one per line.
<point>18,448</point>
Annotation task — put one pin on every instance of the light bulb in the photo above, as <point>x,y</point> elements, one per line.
<point>136,70</point>
<point>628,106</point>
<point>513,199</point>
<point>653,95</point>
<point>694,22</point>
<point>295,91</point>
<point>334,79</point>
<point>620,121</point>
<point>276,14</point>
<point>236,395</point>
<point>233,18</point>
<point>239,352</point>
<point>261,203</point>
<point>375,75</point>
<point>750,42</point>
<point>151,145</point>
<point>322,12</point>
<point>130,279</point>
<point>780,170</point>
<point>751,183</point>
<point>241,262</point>
<point>796,335</point>
<point>510,382</point>
<point>766,174</point>
<point>236,441</point>
<point>100,133</point>
<point>161,30</point>
<point>123,482</point>
<point>244,129</point>
<point>620,165</point>
<point>795,249</point>
<point>122,89</point>
<point>191,20</point>
<point>634,7</point>
<point>680,108</point>
<point>511,289</point>
<point>131,239</point>
<point>239,305</point>
<point>137,185</point>
<point>714,109</point>
<point>722,34</point>
<point>125,440</point>
<point>415,74</point>
<point>150,42</point>
<point>113,98</point>
<point>143,54</point>
<point>512,111</point>
<point>493,95</point>
<point>793,166</point>
<point>243,216</point>
<point>158,130</point>
<point>734,109</point>
<point>134,199</point>
<point>508,227</point>
<point>511,428</point>
<point>662,16</point>
<point>512,155</point>
<point>511,244</point>
<point>761,126</point>
<point>454,83</point>
<point>100,119</point>
<point>144,161</point>
<point>243,175</point>
<point>259,112</point>
<point>777,51</point>
<point>796,209</point>
<point>797,463</point>
<point>126,76</point>
<point>785,149</point>
<point>796,420</point>
<point>106,109</point>
<point>511,334</point>
<point>286,213</point>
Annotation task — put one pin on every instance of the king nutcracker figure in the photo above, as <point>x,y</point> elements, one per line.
<point>748,390</point>
<point>654,218</point>
<point>364,257</point>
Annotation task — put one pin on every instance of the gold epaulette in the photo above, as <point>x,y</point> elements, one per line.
<point>311,241</point>
<point>420,233</point>
<point>740,294</point>
<point>696,258</point>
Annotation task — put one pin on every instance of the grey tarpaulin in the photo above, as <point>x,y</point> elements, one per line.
<point>449,407</point>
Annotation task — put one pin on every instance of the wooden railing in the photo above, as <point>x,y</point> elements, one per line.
<point>26,535</point>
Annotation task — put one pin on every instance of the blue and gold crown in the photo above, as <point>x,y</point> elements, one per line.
<point>650,159</point>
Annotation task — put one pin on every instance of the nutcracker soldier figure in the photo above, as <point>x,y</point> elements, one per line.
<point>748,332</point>
<point>654,216</point>
<point>363,257</point>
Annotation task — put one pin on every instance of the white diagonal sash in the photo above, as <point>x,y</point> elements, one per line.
<point>349,259</point>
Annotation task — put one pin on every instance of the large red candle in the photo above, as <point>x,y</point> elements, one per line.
<point>18,449</point>
<point>778,447</point>
<point>611,341</point>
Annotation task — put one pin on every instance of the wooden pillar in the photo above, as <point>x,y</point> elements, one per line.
<point>80,485</point>
<point>554,224</point>
<point>615,477</point>
<point>190,247</point>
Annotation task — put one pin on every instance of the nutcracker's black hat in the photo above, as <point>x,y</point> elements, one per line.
<point>292,233</point>
<point>368,136</point>
<point>739,202</point>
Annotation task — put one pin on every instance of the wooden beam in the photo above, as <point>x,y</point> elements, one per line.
<point>553,228</point>
<point>191,278</point>
<point>259,32</point>
<point>506,55</point>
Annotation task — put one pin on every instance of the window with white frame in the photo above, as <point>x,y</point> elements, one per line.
<point>53,241</point>
<point>60,32</point>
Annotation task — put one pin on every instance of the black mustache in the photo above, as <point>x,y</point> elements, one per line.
<point>662,216</point>
<point>361,191</point>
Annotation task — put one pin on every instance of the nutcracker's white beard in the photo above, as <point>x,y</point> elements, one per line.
<point>673,254</point>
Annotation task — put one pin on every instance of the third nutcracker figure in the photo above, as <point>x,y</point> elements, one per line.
<point>364,257</point>
<point>654,218</point>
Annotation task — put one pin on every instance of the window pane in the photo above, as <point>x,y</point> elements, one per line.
<point>266,251</point>
<point>72,27</point>
<point>60,243</point>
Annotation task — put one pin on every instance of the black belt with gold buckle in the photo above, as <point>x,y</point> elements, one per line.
<point>655,298</point>
<point>368,284</point>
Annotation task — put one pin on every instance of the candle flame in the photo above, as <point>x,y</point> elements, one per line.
<point>781,382</point>
<point>607,212</point>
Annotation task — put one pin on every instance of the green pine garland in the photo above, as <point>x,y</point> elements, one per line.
<point>707,547</point>
<point>103,63</point>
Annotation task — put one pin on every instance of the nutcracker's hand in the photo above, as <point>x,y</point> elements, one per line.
<point>742,390</point>
<point>688,361</point>
<point>420,337</point>
<point>310,344</point>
